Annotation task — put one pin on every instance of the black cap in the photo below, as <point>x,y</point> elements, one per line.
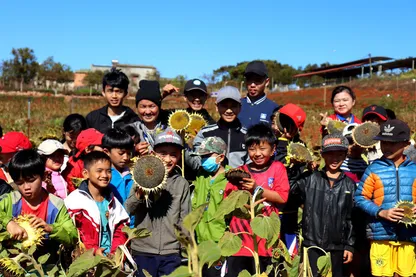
<point>394,130</point>
<point>195,84</point>
<point>149,90</point>
<point>256,67</point>
<point>376,110</point>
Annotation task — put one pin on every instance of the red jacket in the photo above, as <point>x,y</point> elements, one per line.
<point>73,170</point>
<point>86,215</point>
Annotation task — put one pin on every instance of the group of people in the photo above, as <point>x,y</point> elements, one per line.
<point>81,187</point>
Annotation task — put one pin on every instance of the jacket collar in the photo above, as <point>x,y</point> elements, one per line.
<point>236,124</point>
<point>256,101</point>
<point>83,187</point>
<point>406,162</point>
<point>127,111</point>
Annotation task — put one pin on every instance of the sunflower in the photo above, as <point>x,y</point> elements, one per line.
<point>149,173</point>
<point>298,152</point>
<point>196,124</point>
<point>35,236</point>
<point>408,218</point>
<point>335,126</point>
<point>235,175</point>
<point>363,135</point>
<point>12,267</point>
<point>179,120</point>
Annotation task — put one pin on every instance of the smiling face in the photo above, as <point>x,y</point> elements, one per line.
<point>30,187</point>
<point>55,160</point>
<point>261,153</point>
<point>99,174</point>
<point>148,111</point>
<point>228,109</point>
<point>170,154</point>
<point>114,96</point>
<point>334,159</point>
<point>343,103</point>
<point>196,99</point>
<point>256,84</point>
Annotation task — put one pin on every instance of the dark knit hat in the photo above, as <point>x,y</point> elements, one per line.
<point>149,90</point>
<point>334,142</point>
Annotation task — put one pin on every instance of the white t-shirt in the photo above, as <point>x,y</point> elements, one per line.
<point>114,118</point>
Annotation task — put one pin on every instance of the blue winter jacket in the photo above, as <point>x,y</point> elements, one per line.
<point>121,184</point>
<point>380,188</point>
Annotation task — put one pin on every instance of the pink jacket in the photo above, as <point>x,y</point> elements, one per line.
<point>59,185</point>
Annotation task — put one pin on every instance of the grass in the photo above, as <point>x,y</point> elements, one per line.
<point>48,112</point>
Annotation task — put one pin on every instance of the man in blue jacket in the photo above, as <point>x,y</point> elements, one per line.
<point>255,107</point>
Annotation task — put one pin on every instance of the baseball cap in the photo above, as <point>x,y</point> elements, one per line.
<point>376,110</point>
<point>394,130</point>
<point>195,84</point>
<point>228,92</point>
<point>296,113</point>
<point>168,136</point>
<point>347,131</point>
<point>86,138</point>
<point>50,146</point>
<point>334,142</point>
<point>256,67</point>
<point>211,145</point>
<point>14,141</point>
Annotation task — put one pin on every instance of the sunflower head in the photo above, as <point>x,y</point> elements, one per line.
<point>363,135</point>
<point>235,175</point>
<point>298,152</point>
<point>11,266</point>
<point>35,236</point>
<point>335,126</point>
<point>149,173</point>
<point>196,124</point>
<point>408,218</point>
<point>179,120</point>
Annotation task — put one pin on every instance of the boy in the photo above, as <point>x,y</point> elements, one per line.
<point>27,168</point>
<point>160,253</point>
<point>98,215</point>
<point>209,187</point>
<point>10,144</point>
<point>114,114</point>
<point>376,114</point>
<point>87,141</point>
<point>53,152</point>
<point>270,178</point>
<point>385,182</point>
<point>255,107</point>
<point>228,128</point>
<point>118,145</point>
<point>327,197</point>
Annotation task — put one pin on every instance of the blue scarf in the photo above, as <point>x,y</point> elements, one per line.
<point>344,119</point>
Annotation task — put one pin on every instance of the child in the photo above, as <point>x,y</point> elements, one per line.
<point>114,114</point>
<point>385,182</point>
<point>118,145</point>
<point>87,141</point>
<point>268,176</point>
<point>209,187</point>
<point>53,152</point>
<point>354,165</point>
<point>376,114</point>
<point>327,197</point>
<point>72,127</point>
<point>10,144</point>
<point>98,215</point>
<point>228,128</point>
<point>160,253</point>
<point>27,168</point>
<point>255,107</point>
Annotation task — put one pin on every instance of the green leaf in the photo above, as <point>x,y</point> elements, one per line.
<point>244,273</point>
<point>84,263</point>
<point>268,269</point>
<point>32,250</point>
<point>44,258</point>
<point>182,237</point>
<point>4,236</point>
<point>208,252</point>
<point>281,251</point>
<point>193,218</point>
<point>267,228</point>
<point>134,233</point>
<point>229,244</point>
<point>104,270</point>
<point>324,264</point>
<point>14,251</point>
<point>53,271</point>
<point>4,254</point>
<point>181,271</point>
<point>292,269</point>
<point>236,200</point>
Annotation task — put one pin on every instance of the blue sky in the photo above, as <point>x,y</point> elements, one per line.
<point>196,37</point>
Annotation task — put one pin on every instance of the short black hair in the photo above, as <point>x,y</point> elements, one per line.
<point>131,131</point>
<point>74,123</point>
<point>116,79</point>
<point>26,164</point>
<point>260,132</point>
<point>340,89</point>
<point>93,157</point>
<point>117,138</point>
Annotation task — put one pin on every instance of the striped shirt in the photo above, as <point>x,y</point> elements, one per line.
<point>356,166</point>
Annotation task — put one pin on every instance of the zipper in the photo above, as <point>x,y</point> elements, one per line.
<point>228,143</point>
<point>397,184</point>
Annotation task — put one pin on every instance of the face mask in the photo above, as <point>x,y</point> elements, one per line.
<point>209,164</point>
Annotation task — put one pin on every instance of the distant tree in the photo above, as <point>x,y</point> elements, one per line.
<point>53,71</point>
<point>95,79</point>
<point>22,68</point>
<point>154,75</point>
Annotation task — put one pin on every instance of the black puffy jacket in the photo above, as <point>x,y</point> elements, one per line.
<point>327,210</point>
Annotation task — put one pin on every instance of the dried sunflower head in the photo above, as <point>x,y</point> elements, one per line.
<point>11,266</point>
<point>235,175</point>
<point>35,236</point>
<point>196,124</point>
<point>408,218</point>
<point>149,173</point>
<point>335,126</point>
<point>179,120</point>
<point>363,135</point>
<point>298,152</point>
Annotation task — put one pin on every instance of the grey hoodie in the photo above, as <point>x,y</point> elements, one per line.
<point>172,205</point>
